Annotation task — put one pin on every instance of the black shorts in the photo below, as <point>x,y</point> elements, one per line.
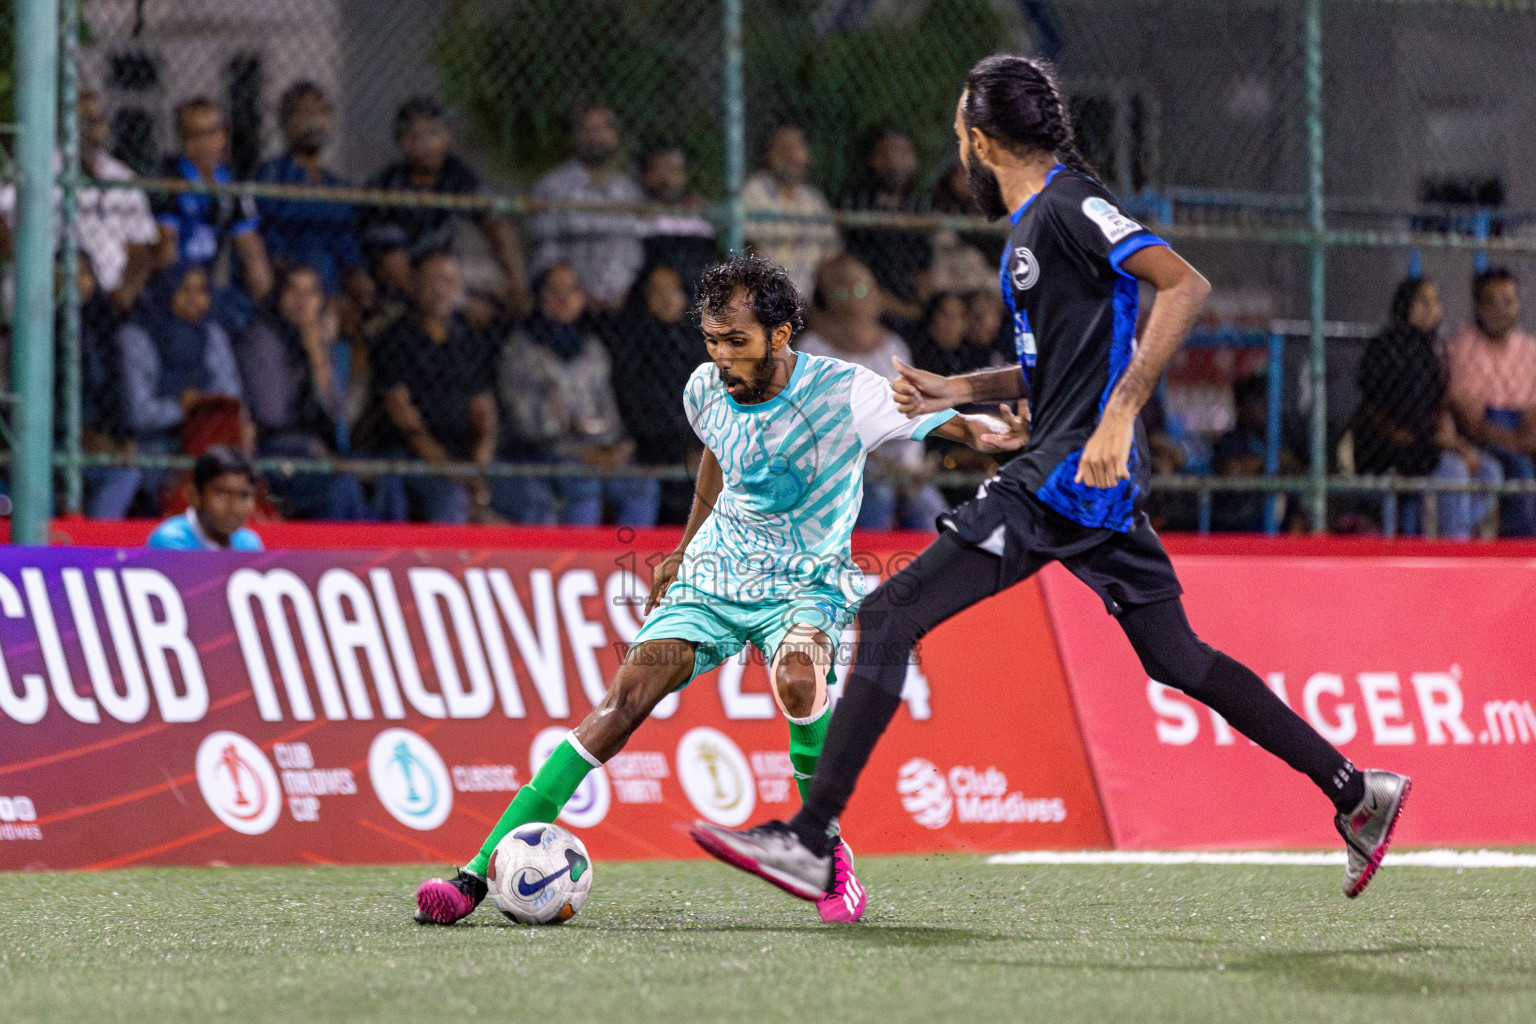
<point>1124,569</point>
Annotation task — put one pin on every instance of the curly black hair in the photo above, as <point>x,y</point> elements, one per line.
<point>771,295</point>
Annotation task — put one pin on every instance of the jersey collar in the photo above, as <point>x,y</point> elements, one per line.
<point>801,359</point>
<point>1014,218</point>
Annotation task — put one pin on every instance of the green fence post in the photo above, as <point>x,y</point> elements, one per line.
<point>37,71</point>
<point>69,339</point>
<point>735,128</point>
<point>1318,471</point>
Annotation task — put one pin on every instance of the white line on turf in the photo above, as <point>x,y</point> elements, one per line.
<point>1410,859</point>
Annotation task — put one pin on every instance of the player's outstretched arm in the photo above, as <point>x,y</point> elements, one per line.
<point>1006,432</point>
<point>1181,291</point>
<point>919,392</point>
<point>705,493</point>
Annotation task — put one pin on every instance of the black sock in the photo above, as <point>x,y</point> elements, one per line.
<point>1237,694</point>
<point>857,725</point>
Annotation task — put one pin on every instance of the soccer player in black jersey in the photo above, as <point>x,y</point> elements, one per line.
<point>1071,274</point>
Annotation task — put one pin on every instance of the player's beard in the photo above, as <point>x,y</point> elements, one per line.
<point>985,190</point>
<point>757,384</point>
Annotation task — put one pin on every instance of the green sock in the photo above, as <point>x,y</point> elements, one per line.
<point>806,736</point>
<point>541,799</point>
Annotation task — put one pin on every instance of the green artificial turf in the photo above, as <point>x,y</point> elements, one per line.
<point>946,939</point>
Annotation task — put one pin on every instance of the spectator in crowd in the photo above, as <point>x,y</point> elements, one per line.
<point>988,335</point>
<point>1404,425</point>
<point>195,227</point>
<point>800,245</point>
<point>557,391</point>
<point>1240,453</point>
<point>683,241</point>
<point>223,496</point>
<point>1493,390</point>
<point>427,164</point>
<point>655,347</point>
<point>952,196</point>
<point>286,361</point>
<point>116,231</point>
<point>941,347</point>
<point>109,491</point>
<point>845,324</point>
<point>297,232</point>
<point>604,249</point>
<point>433,380</point>
<point>175,360</point>
<point>899,258</point>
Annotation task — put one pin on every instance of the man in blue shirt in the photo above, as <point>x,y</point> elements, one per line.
<point>223,495</point>
<point>193,226</point>
<point>322,235</point>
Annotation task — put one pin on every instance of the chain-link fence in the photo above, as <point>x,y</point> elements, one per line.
<point>430,259</point>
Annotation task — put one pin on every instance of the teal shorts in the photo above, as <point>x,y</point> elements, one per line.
<point>719,627</point>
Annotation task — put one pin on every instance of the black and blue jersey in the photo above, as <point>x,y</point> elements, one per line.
<point>1074,320</point>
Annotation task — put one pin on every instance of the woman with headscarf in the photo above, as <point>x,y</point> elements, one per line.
<point>1403,425</point>
<point>174,357</point>
<point>556,391</point>
<point>286,358</point>
<point>655,346</point>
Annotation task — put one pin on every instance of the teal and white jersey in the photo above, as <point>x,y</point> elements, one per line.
<point>794,472</point>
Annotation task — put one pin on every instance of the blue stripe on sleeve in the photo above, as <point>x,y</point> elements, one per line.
<point>927,426</point>
<point>1134,244</point>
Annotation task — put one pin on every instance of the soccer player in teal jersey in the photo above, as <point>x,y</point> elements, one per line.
<point>765,556</point>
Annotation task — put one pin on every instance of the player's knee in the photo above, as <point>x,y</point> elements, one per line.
<point>796,683</point>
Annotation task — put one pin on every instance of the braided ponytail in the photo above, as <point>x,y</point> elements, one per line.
<point>1016,101</point>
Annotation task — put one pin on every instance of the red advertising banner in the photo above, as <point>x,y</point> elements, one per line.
<point>1420,665</point>
<point>383,706</point>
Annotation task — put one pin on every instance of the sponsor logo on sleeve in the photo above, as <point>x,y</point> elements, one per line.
<point>1111,221</point>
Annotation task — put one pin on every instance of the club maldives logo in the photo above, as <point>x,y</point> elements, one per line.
<point>716,777</point>
<point>589,804</point>
<point>238,783</point>
<point>410,779</point>
<point>924,793</point>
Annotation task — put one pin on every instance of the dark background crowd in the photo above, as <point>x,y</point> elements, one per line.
<point>293,328</point>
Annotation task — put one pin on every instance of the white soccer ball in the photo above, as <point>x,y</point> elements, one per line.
<point>539,874</point>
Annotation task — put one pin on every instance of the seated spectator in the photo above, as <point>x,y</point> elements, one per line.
<point>845,324</point>
<point>297,404</point>
<point>1240,453</point>
<point>941,347</point>
<point>1404,425</point>
<point>194,227</point>
<point>433,380</point>
<point>297,232</point>
<point>557,393</point>
<point>655,346</point>
<point>222,498</point>
<point>115,228</point>
<point>684,242</point>
<point>1493,390</point>
<point>899,258</point>
<point>109,491</point>
<point>799,246</point>
<point>952,196</point>
<point>988,334</point>
<point>427,164</point>
<point>176,366</point>
<point>604,249</point>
